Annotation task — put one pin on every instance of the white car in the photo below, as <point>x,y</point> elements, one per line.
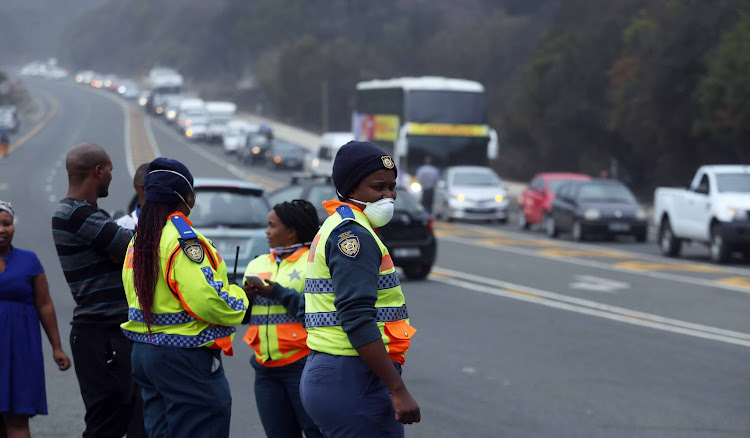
<point>235,135</point>
<point>471,192</point>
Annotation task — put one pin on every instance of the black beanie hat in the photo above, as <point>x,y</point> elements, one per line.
<point>166,180</point>
<point>354,161</point>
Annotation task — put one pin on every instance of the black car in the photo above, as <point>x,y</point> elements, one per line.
<point>409,236</point>
<point>286,155</point>
<point>597,207</point>
<point>257,148</point>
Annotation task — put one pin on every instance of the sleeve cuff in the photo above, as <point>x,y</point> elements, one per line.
<point>364,334</point>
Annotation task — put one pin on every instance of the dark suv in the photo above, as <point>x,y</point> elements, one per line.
<point>409,236</point>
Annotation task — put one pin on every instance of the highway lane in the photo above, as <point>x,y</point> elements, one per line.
<point>516,338</point>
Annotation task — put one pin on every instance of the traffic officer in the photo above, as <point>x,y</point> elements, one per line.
<point>4,142</point>
<point>355,313</point>
<point>276,333</point>
<point>182,312</point>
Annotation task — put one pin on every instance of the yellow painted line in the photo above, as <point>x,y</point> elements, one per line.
<point>644,266</point>
<point>38,126</point>
<point>4,186</point>
<point>520,292</point>
<point>575,252</point>
<point>735,281</point>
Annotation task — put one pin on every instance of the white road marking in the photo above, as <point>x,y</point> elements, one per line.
<point>598,284</point>
<point>150,135</point>
<point>48,188</point>
<point>128,144</point>
<point>601,265</point>
<point>560,301</point>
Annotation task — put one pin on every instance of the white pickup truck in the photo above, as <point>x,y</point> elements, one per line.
<point>714,210</point>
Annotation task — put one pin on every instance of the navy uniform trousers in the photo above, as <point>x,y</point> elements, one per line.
<point>346,399</point>
<point>185,392</point>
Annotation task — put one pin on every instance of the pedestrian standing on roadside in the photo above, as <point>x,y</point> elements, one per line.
<point>182,312</point>
<point>428,176</point>
<point>4,143</point>
<point>129,221</point>
<point>24,303</point>
<point>91,248</point>
<point>276,333</point>
<point>356,318</point>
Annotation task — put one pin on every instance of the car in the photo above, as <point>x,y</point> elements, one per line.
<point>257,147</point>
<point>471,192</point>
<point>285,154</point>
<point>9,118</point>
<point>128,89</point>
<point>598,206</point>
<point>409,236</point>
<point>235,135</point>
<point>536,199</point>
<point>230,213</point>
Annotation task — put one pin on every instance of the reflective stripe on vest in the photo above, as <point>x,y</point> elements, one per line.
<point>184,341</point>
<point>161,318</point>
<point>273,319</point>
<point>325,285</point>
<point>331,319</point>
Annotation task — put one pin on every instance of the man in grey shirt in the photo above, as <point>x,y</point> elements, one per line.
<point>428,175</point>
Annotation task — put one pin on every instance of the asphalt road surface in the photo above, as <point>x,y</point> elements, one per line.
<point>518,335</point>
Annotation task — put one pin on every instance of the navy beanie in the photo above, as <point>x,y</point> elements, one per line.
<point>164,179</point>
<point>356,160</point>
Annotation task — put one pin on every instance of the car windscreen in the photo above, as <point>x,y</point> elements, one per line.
<point>406,202</point>
<point>285,148</point>
<point>474,178</point>
<point>229,207</point>
<point>733,182</point>
<point>605,192</point>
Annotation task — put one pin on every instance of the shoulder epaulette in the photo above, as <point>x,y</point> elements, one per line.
<point>345,212</point>
<point>185,230</point>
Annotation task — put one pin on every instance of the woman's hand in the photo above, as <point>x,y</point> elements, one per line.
<point>254,289</point>
<point>407,409</point>
<point>61,359</point>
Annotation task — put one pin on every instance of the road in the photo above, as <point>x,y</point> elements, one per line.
<point>518,335</point>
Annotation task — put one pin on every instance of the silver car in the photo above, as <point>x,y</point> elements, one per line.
<point>472,193</point>
<point>230,213</point>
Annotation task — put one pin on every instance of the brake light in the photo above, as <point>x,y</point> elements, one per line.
<point>431,226</point>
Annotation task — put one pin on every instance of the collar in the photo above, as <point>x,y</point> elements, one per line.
<point>293,257</point>
<point>177,213</point>
<point>333,204</point>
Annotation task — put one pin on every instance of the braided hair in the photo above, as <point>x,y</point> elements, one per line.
<point>301,216</point>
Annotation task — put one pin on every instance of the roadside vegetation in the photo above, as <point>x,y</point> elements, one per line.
<point>655,88</point>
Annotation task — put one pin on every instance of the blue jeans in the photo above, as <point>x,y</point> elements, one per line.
<point>346,399</point>
<point>185,392</point>
<point>279,403</point>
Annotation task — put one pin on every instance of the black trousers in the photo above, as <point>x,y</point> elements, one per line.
<point>428,195</point>
<point>101,356</point>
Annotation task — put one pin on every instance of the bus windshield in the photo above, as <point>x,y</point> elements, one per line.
<point>446,151</point>
<point>453,107</point>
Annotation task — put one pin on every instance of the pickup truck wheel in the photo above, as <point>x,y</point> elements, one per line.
<point>669,244</point>
<point>720,251</point>
<point>417,271</point>
<point>550,227</point>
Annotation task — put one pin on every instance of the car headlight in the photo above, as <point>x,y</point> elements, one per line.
<point>641,215</point>
<point>159,110</point>
<point>592,214</point>
<point>171,114</point>
<point>415,187</point>
<point>737,214</point>
<point>499,198</point>
<point>256,150</point>
<point>460,197</point>
<point>189,133</point>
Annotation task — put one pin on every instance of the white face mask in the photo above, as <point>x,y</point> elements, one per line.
<point>378,213</point>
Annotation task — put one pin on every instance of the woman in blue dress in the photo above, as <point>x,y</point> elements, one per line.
<point>24,302</point>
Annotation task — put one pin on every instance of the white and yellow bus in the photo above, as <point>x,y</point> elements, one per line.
<point>412,117</point>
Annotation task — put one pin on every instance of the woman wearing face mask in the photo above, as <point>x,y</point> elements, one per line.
<point>182,312</point>
<point>355,313</point>
<point>24,302</point>
<point>276,333</point>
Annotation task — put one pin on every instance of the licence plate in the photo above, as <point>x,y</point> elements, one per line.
<point>406,252</point>
<point>619,226</point>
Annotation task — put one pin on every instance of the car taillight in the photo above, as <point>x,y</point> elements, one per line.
<point>431,226</point>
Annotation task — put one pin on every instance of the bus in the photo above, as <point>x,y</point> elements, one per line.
<point>412,117</point>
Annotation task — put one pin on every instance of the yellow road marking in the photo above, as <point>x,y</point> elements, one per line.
<point>38,126</point>
<point>4,186</point>
<point>575,252</point>
<point>640,265</point>
<point>509,241</point>
<point>735,281</point>
<point>140,145</point>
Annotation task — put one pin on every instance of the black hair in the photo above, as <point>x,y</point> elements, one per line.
<point>301,216</point>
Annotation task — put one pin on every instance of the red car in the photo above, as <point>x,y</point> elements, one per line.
<point>536,199</point>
